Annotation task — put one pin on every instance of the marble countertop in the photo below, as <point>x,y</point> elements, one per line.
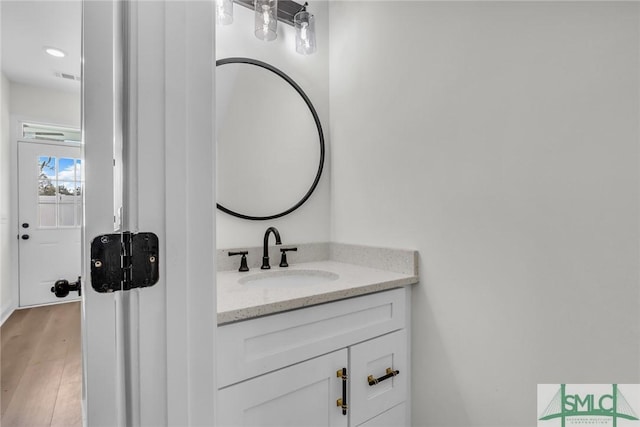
<point>237,301</point>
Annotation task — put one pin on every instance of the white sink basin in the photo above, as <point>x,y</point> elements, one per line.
<point>288,278</point>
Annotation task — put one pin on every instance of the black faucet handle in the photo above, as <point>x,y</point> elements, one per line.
<point>243,260</point>
<point>283,260</point>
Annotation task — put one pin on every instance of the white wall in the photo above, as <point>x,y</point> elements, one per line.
<point>6,296</point>
<point>52,106</point>
<point>501,141</point>
<point>309,223</point>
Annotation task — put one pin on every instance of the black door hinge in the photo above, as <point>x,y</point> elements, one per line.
<point>124,261</point>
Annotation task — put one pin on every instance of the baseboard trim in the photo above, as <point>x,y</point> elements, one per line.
<point>64,301</point>
<point>6,312</point>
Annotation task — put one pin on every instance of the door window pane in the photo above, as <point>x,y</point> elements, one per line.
<point>66,170</point>
<point>60,188</point>
<point>47,167</point>
<point>67,191</point>
<point>66,215</point>
<point>46,177</point>
<point>79,190</point>
<point>46,188</point>
<point>47,215</point>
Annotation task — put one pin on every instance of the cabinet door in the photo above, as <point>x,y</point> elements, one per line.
<point>373,357</point>
<point>297,396</point>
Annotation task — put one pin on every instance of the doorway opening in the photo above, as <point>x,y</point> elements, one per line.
<point>41,188</point>
<point>41,370</point>
<point>50,210</point>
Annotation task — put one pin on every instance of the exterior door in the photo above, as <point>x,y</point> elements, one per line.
<point>50,186</point>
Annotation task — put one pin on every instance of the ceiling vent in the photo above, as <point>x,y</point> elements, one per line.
<point>67,76</point>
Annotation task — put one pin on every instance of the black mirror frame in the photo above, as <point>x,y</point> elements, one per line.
<point>239,60</point>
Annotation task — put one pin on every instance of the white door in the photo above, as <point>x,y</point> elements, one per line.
<point>301,395</point>
<point>148,353</point>
<point>50,186</point>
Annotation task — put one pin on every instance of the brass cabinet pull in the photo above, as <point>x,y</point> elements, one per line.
<point>390,373</point>
<point>342,402</point>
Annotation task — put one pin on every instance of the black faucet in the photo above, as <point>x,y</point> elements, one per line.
<point>265,249</point>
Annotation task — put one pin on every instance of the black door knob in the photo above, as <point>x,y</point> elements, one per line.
<point>25,237</point>
<point>62,287</point>
<point>25,225</point>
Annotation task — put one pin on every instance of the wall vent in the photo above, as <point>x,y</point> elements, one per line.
<point>67,76</point>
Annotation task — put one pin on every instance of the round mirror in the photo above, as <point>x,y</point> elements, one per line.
<point>270,146</point>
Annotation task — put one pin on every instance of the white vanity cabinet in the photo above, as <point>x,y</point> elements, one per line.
<point>282,369</point>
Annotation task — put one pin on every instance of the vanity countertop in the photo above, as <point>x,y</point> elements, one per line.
<point>237,301</point>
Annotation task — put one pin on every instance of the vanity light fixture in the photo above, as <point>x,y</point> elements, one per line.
<point>266,19</point>
<point>269,12</point>
<point>224,12</point>
<point>305,23</point>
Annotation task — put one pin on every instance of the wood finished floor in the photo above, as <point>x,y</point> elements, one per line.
<point>41,373</point>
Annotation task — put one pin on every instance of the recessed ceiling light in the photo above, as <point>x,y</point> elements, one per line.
<point>55,52</point>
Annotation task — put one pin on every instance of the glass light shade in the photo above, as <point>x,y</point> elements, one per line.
<point>266,22</point>
<point>305,25</point>
<point>224,12</point>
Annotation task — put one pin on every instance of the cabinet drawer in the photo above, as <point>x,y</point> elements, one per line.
<point>254,347</point>
<point>372,358</point>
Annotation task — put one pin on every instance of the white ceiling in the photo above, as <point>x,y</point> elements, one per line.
<point>27,27</point>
